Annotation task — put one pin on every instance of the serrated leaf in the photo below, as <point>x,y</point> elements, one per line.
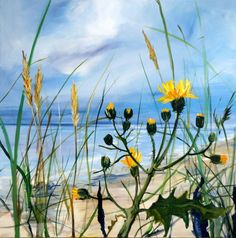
<point>164,208</point>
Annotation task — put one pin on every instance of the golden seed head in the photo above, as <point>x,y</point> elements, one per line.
<point>74,105</point>
<point>37,90</point>
<point>200,115</point>
<point>151,121</point>
<point>26,80</point>
<point>110,106</point>
<point>152,53</point>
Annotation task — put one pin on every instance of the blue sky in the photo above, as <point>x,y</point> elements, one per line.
<point>101,30</point>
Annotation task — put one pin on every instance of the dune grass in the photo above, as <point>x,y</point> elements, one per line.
<point>47,191</point>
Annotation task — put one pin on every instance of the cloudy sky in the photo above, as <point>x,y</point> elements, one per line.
<point>108,33</point>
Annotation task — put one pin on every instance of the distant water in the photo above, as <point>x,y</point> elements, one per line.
<point>65,152</point>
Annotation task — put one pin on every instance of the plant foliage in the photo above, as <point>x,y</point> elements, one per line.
<point>164,208</point>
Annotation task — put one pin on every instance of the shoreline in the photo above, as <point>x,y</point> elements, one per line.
<point>85,208</point>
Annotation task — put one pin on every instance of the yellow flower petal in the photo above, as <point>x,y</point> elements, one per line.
<point>172,91</point>
<point>128,161</point>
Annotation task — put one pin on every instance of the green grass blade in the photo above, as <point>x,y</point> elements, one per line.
<point>167,39</point>
<point>38,31</point>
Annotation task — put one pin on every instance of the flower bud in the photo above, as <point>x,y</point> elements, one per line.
<point>105,162</point>
<point>200,120</point>
<point>110,111</point>
<point>151,126</point>
<point>134,171</point>
<point>212,137</point>
<point>219,159</point>
<point>83,194</point>
<point>126,125</point>
<point>108,139</point>
<point>178,105</point>
<point>165,114</point>
<point>74,193</point>
<point>128,113</point>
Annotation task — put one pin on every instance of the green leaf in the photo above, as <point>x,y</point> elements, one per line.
<point>164,208</point>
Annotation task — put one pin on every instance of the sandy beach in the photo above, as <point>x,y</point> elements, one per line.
<point>85,208</point>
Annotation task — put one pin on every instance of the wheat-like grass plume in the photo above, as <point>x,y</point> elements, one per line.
<point>152,53</point>
<point>74,105</point>
<point>37,90</point>
<point>26,80</point>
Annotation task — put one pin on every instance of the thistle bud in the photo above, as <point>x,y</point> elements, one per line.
<point>128,113</point>
<point>83,194</point>
<point>165,114</point>
<point>200,120</point>
<point>178,105</point>
<point>126,125</point>
<point>219,159</point>
<point>212,137</point>
<point>134,171</point>
<point>110,111</point>
<point>105,162</point>
<point>151,126</point>
<point>108,139</point>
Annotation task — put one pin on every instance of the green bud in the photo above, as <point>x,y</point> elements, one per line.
<point>83,194</point>
<point>151,126</point>
<point>165,114</point>
<point>134,171</point>
<point>105,162</point>
<point>126,125</point>
<point>200,120</point>
<point>108,139</point>
<point>178,105</point>
<point>128,113</point>
<point>212,137</point>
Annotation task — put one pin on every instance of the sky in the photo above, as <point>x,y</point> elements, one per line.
<point>108,34</point>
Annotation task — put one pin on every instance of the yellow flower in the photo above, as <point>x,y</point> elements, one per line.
<point>110,106</point>
<point>74,105</point>
<point>74,192</point>
<point>174,92</point>
<point>223,159</point>
<point>151,121</point>
<point>152,53</point>
<point>128,161</point>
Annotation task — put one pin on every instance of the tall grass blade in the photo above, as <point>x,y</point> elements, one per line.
<point>167,39</point>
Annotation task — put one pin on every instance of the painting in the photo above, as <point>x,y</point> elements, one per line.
<point>117,118</point>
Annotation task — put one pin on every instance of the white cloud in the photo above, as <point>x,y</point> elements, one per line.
<point>99,29</point>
